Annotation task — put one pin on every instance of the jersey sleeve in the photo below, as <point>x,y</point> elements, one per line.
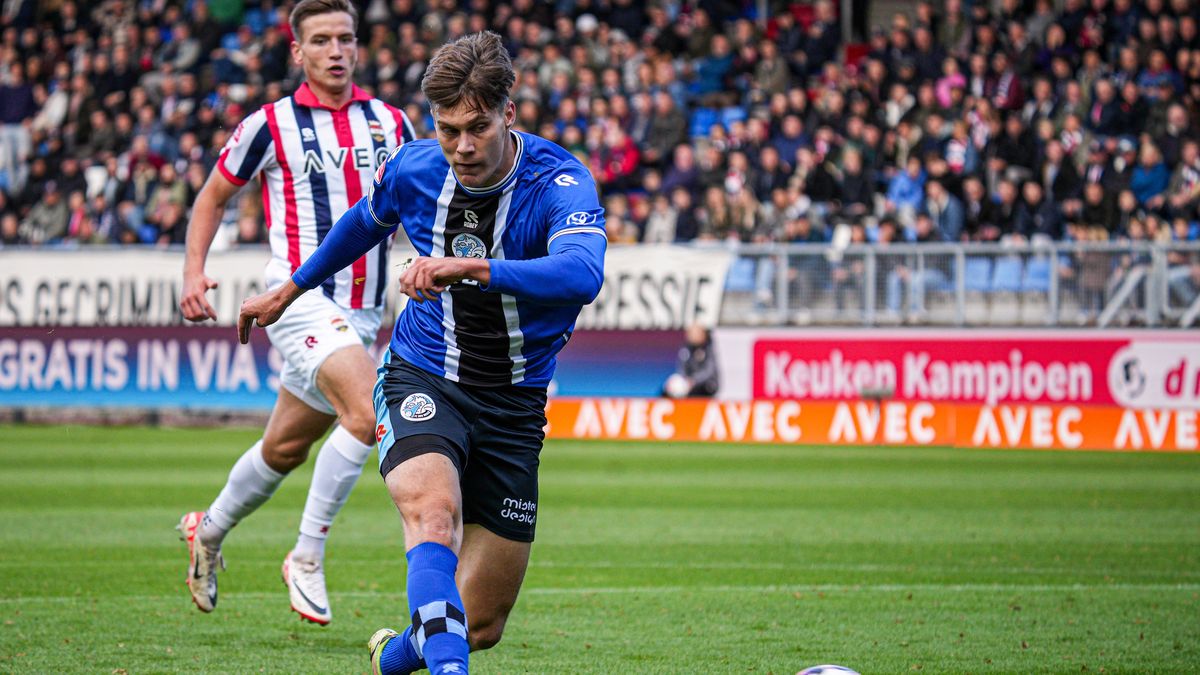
<point>573,270</point>
<point>248,150</point>
<point>383,200</point>
<point>571,206</point>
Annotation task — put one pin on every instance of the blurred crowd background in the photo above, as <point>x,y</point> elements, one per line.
<point>709,120</point>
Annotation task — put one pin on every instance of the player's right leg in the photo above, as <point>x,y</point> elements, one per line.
<point>292,429</point>
<point>425,421</point>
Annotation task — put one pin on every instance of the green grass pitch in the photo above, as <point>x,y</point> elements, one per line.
<point>672,558</point>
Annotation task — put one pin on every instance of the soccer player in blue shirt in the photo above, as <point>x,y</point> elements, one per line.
<point>511,240</point>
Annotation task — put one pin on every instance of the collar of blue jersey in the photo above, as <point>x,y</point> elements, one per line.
<point>509,178</point>
<point>305,97</point>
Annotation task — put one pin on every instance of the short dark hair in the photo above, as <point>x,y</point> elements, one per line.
<point>307,8</point>
<point>475,68</point>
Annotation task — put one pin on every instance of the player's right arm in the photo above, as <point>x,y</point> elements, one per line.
<point>206,218</point>
<point>246,153</point>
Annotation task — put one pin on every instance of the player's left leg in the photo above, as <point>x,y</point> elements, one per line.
<point>328,367</point>
<point>345,380</point>
<point>490,571</point>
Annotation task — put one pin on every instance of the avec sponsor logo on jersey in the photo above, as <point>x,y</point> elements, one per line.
<point>565,180</point>
<point>335,160</point>
<point>468,246</point>
<point>470,219</point>
<point>418,408</point>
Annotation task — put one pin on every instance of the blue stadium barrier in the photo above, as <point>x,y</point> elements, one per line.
<point>1006,276</point>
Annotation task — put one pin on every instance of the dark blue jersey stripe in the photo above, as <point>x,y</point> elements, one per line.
<point>254,155</point>
<point>378,142</point>
<point>316,180</point>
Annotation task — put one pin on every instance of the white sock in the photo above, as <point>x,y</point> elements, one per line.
<point>339,464</point>
<point>251,483</point>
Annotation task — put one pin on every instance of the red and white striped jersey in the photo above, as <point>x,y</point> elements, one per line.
<point>316,163</point>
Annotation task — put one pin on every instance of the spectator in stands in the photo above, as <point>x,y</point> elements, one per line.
<point>1058,175</point>
<point>916,277</point>
<point>1038,215</point>
<point>667,130</point>
<point>10,234</point>
<point>1184,189</point>
<point>906,190</point>
<point>46,222</point>
<point>1150,178</point>
<point>17,108</point>
<point>945,211</point>
<point>1183,280</point>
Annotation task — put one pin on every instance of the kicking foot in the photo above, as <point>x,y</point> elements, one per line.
<point>203,562</point>
<point>305,580</point>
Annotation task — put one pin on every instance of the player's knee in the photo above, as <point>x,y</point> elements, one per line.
<point>485,636</point>
<point>283,456</point>
<point>360,422</point>
<point>434,520</point>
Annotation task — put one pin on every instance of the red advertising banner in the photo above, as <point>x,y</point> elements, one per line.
<point>1150,371</point>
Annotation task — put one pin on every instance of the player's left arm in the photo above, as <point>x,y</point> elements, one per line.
<point>573,270</point>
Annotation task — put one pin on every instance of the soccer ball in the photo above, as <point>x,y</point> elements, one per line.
<point>677,386</point>
<point>827,670</point>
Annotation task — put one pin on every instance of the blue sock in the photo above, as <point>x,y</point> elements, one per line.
<point>439,623</point>
<point>400,656</point>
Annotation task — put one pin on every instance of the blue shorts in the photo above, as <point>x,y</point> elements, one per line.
<point>493,435</point>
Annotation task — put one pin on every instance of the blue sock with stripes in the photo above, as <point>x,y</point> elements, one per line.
<point>439,622</point>
<point>400,656</point>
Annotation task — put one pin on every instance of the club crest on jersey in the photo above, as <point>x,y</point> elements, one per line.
<point>376,129</point>
<point>468,246</point>
<point>418,408</point>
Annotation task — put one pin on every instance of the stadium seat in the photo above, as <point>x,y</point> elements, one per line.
<point>1037,276</point>
<point>978,274</point>
<point>256,19</point>
<point>1006,275</point>
<point>741,276</point>
<point>731,114</point>
<point>701,121</point>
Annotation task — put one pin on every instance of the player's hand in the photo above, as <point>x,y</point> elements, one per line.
<point>265,309</point>
<point>194,304</point>
<point>424,278</point>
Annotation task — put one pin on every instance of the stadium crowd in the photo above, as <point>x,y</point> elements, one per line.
<point>961,121</point>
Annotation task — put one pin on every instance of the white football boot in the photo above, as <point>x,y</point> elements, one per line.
<point>305,580</point>
<point>203,562</point>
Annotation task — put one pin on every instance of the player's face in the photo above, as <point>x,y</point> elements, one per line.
<point>476,142</point>
<point>327,50</point>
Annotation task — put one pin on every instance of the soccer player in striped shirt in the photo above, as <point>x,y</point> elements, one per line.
<point>511,240</point>
<point>315,153</point>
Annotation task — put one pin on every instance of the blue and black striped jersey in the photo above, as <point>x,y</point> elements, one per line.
<point>541,227</point>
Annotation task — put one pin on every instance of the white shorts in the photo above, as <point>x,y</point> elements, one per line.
<point>311,329</point>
